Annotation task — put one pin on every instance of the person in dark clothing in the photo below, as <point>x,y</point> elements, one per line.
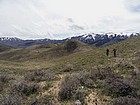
<point>107,52</point>
<point>115,52</point>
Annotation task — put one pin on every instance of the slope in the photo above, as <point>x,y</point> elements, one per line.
<point>85,74</point>
<point>42,52</point>
<point>128,49</point>
<point>104,79</point>
<point>83,56</point>
<point>4,47</point>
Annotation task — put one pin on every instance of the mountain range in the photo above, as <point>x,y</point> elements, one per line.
<point>88,38</point>
<point>44,74</point>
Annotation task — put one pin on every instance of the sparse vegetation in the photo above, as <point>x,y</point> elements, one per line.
<point>40,75</point>
<point>117,88</point>
<point>126,101</point>
<point>46,100</point>
<point>71,45</point>
<point>4,78</point>
<point>80,95</point>
<point>1,86</point>
<point>63,74</point>
<point>10,99</point>
<point>68,87</point>
<point>25,88</point>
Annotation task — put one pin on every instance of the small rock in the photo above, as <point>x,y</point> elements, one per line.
<point>78,102</point>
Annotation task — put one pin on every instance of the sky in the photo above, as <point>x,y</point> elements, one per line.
<point>56,19</point>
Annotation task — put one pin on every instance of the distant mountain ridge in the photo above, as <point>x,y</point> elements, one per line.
<point>90,38</point>
<point>4,47</point>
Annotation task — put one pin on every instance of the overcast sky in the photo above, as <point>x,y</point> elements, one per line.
<point>29,19</point>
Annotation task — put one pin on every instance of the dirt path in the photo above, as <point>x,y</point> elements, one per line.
<point>94,99</point>
<point>55,86</point>
<point>53,91</point>
<point>91,99</point>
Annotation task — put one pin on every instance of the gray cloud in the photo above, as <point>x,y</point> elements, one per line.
<point>76,27</point>
<point>31,19</point>
<point>35,19</point>
<point>70,20</point>
<point>133,5</point>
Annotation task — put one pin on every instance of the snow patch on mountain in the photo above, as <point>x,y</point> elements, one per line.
<point>9,39</point>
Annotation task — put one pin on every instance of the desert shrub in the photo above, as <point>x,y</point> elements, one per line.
<point>10,99</point>
<point>86,81</point>
<point>126,101</point>
<point>46,100</point>
<point>83,76</point>
<point>89,79</point>
<point>4,78</point>
<point>33,102</point>
<point>69,67</point>
<point>40,75</point>
<point>89,83</point>
<point>25,88</point>
<point>80,95</point>
<point>135,82</point>
<point>124,68</point>
<point>1,86</point>
<point>133,74</point>
<point>101,73</point>
<point>71,45</point>
<point>117,88</point>
<point>136,61</point>
<point>68,87</point>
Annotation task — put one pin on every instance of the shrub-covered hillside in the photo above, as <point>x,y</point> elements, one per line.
<point>71,73</point>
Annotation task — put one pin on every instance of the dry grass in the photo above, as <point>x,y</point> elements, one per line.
<point>96,69</point>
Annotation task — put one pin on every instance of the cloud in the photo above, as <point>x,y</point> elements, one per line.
<point>62,18</point>
<point>31,19</point>
<point>71,20</point>
<point>76,27</point>
<point>133,5</point>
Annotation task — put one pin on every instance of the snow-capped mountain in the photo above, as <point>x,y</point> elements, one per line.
<point>9,39</point>
<point>100,39</point>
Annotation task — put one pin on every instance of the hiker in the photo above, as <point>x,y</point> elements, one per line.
<point>114,51</point>
<point>107,52</point>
